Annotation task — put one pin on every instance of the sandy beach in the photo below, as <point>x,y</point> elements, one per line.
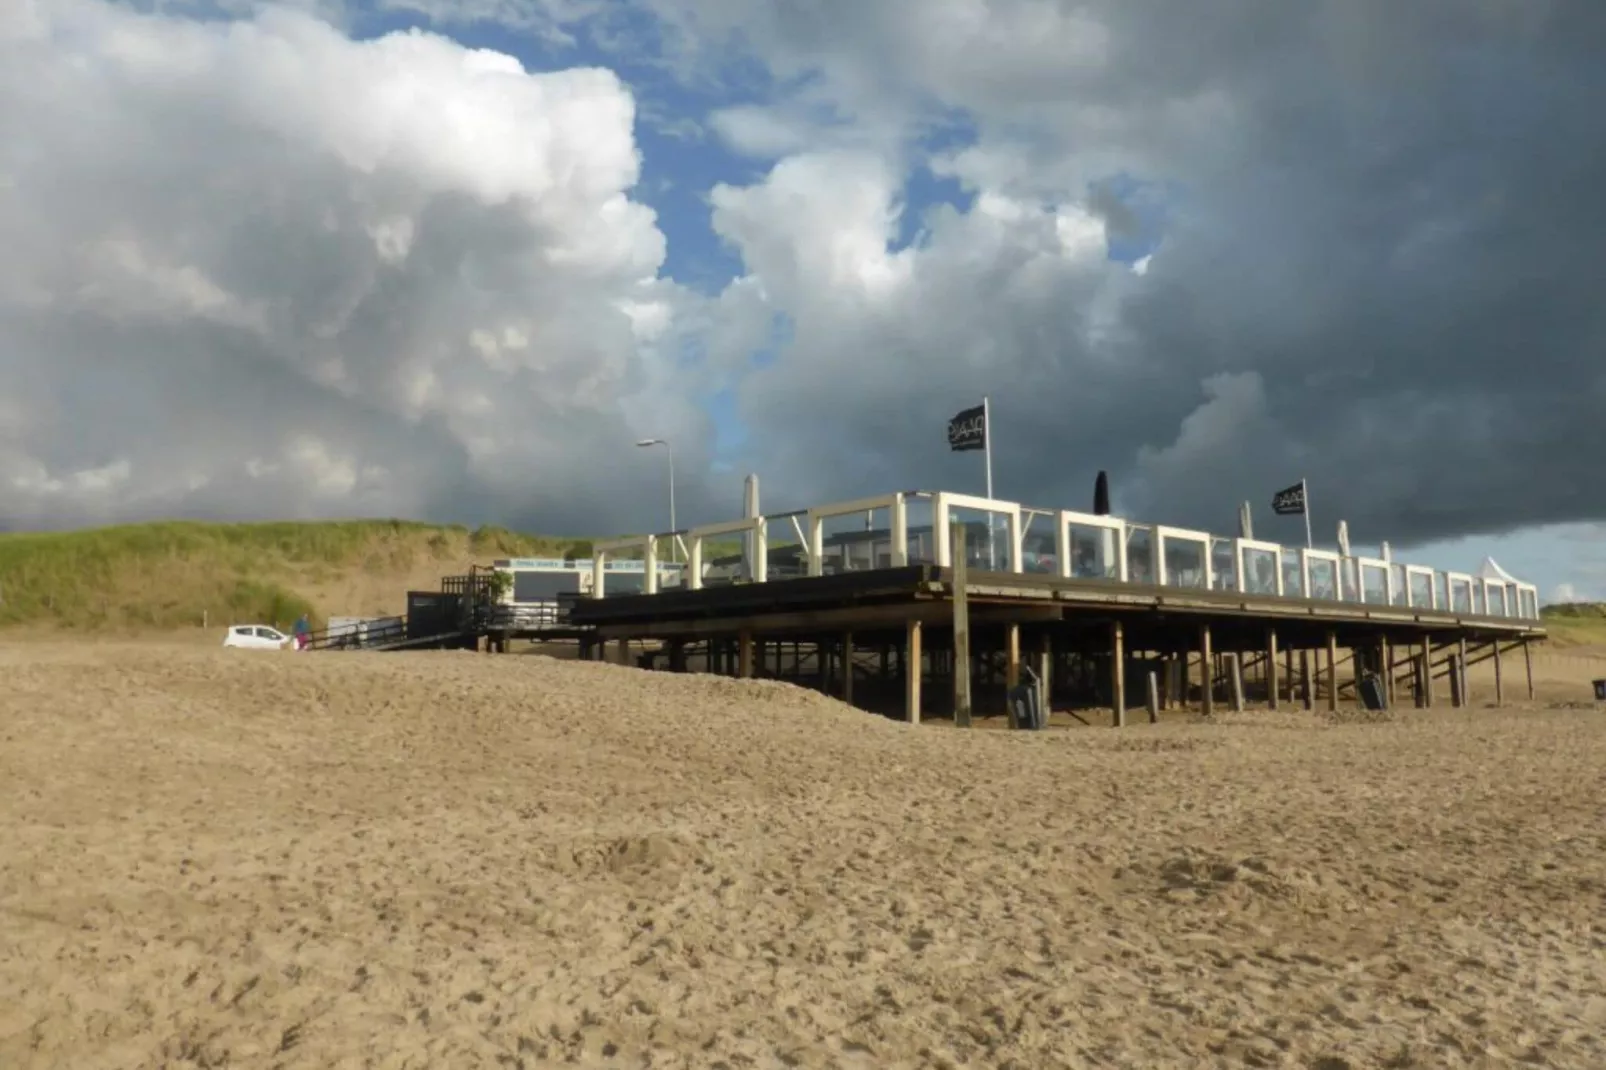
<point>239,859</point>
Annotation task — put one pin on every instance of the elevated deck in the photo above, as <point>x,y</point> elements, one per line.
<point>944,588</point>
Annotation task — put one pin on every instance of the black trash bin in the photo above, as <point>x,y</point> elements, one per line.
<point>1600,690</point>
<point>1026,703</point>
<point>1372,692</point>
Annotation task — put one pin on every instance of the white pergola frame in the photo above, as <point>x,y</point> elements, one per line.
<point>1066,519</point>
<point>600,552</point>
<point>944,502</point>
<point>1450,581</point>
<point>1364,563</point>
<point>1203,538</point>
<point>1273,548</point>
<point>814,544</point>
<point>1433,586</point>
<point>1335,559</point>
<point>751,525</point>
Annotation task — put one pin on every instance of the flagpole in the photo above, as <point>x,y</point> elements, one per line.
<point>987,452</point>
<point>987,442</point>
<point>1305,493</point>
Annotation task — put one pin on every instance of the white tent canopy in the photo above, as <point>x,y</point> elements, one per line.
<point>1491,570</point>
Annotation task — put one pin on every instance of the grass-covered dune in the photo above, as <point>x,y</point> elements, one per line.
<point>176,574</point>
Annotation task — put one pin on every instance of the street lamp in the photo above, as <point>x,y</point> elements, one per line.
<point>647,443</point>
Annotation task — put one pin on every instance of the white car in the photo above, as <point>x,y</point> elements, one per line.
<point>255,637</point>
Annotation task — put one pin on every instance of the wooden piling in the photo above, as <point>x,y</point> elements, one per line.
<point>847,667</point>
<point>1207,683</point>
<point>1011,657</point>
<point>1332,672</point>
<point>744,657</point>
<point>1461,671</point>
<point>961,603</point>
<point>1528,662</point>
<point>1427,673</point>
<point>1272,683</point>
<point>912,662</point>
<point>1152,696</point>
<point>1117,674</point>
<point>1306,697</point>
<point>1235,671</point>
<point>1499,676</point>
<point>1045,674</point>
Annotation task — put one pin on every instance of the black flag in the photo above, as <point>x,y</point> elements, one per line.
<point>1289,501</point>
<point>1101,495</point>
<point>968,430</point>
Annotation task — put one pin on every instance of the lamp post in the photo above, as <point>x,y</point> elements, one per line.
<point>647,443</point>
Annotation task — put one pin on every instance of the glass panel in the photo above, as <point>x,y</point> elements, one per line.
<point>1039,550</point>
<point>1093,552</point>
<point>855,542</point>
<point>785,559</point>
<point>1260,571</point>
<point>986,538</point>
<point>1184,562</point>
<point>1323,578</point>
<point>1223,567</point>
<point>1374,585</point>
<point>1347,570</point>
<point>1293,580</point>
<point>1530,607</point>
<point>1497,600</point>
<point>1140,554</point>
<point>1477,599</point>
<point>917,511</point>
<point>1460,596</point>
<point>1397,585</point>
<point>1421,590</point>
<point>1441,592</point>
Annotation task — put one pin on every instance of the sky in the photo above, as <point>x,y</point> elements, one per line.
<point>450,261</point>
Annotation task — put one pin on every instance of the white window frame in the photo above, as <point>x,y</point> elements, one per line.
<point>1364,563</point>
<point>755,525</point>
<point>600,552</point>
<point>943,503</point>
<point>1433,586</point>
<point>1273,548</point>
<point>1450,580</point>
<point>1162,533</point>
<point>1331,557</point>
<point>1505,597</point>
<point>1065,518</point>
<point>814,544</point>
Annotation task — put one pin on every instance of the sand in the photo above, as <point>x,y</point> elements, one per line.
<point>218,858</point>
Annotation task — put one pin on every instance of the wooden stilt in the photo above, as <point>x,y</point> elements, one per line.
<point>1117,674</point>
<point>1045,674</point>
<point>1528,662</point>
<point>1499,676</point>
<point>961,604</point>
<point>1207,683</point>
<point>1427,673</point>
<point>847,667</point>
<point>744,666</point>
<point>1461,670</point>
<point>1152,695</point>
<point>1011,657</point>
<point>1235,670</point>
<point>912,662</point>
<point>1272,683</point>
<point>1332,672</point>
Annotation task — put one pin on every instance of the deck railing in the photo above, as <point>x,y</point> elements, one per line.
<point>912,527</point>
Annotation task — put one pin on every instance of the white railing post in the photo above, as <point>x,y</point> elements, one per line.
<point>599,571</point>
<point>1017,534</point>
<point>900,531</point>
<point>649,581</point>
<point>761,551</point>
<point>815,546</point>
<point>939,523</point>
<point>1062,543</point>
<point>694,562</point>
